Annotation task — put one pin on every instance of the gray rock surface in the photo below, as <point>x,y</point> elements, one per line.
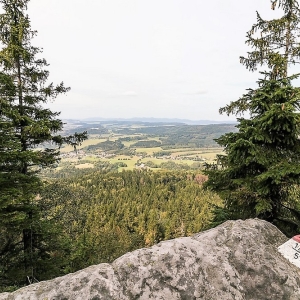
<point>236,260</point>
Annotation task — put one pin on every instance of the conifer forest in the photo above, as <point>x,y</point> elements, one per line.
<point>78,193</point>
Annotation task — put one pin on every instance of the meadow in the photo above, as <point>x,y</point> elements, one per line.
<point>145,145</point>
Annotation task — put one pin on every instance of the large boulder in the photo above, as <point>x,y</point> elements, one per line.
<point>236,260</point>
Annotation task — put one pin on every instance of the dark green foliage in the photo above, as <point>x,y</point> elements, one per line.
<point>162,153</point>
<point>261,167</point>
<point>24,125</point>
<point>106,146</point>
<point>131,138</point>
<point>146,144</point>
<point>151,164</point>
<point>180,135</point>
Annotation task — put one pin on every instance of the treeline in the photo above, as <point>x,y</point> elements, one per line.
<point>69,170</point>
<point>106,146</point>
<point>166,137</point>
<point>146,144</point>
<point>176,135</point>
<point>102,215</point>
<point>182,135</point>
<point>171,165</point>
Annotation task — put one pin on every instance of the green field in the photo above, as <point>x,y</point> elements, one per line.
<point>90,141</point>
<point>208,156</point>
<point>157,146</point>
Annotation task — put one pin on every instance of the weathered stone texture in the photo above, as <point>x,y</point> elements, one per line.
<point>236,260</point>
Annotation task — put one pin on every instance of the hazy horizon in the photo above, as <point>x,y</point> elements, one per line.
<point>149,120</point>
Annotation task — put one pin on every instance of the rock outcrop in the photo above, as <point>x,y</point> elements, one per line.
<point>236,260</point>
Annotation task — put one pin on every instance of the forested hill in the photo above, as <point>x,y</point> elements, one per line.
<point>169,134</point>
<point>104,215</point>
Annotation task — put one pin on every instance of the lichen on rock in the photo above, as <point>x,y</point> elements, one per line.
<point>236,260</point>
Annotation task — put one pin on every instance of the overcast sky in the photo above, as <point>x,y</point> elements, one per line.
<point>146,58</point>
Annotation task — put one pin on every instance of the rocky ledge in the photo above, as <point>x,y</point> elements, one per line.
<point>236,260</point>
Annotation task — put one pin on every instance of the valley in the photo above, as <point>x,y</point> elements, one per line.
<point>128,145</point>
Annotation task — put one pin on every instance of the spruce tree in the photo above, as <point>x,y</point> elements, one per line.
<point>260,171</point>
<point>25,128</point>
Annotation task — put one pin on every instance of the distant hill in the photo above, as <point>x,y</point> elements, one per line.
<point>157,120</point>
<point>171,134</point>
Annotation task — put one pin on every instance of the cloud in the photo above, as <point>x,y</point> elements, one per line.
<point>129,94</point>
<point>201,92</point>
<point>123,94</point>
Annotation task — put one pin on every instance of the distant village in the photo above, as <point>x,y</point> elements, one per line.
<point>81,154</point>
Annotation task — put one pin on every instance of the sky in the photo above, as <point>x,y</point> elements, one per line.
<point>146,58</point>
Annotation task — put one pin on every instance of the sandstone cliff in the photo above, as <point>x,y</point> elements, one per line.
<point>236,260</point>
